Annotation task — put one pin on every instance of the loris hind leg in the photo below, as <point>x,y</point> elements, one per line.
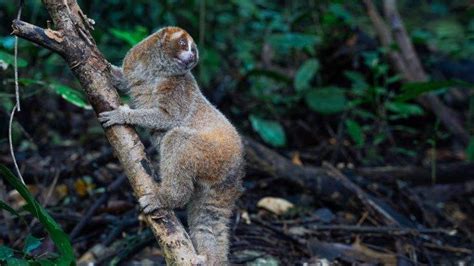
<point>177,172</point>
<point>208,219</point>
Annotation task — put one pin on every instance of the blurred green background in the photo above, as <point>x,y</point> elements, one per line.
<point>298,75</point>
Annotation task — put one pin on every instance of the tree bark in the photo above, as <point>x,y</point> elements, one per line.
<point>73,41</point>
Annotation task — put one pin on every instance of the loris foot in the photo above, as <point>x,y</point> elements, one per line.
<point>117,116</point>
<point>149,203</point>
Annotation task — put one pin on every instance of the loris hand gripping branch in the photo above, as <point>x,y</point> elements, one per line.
<point>200,151</point>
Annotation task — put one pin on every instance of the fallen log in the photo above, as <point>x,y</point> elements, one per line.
<point>445,173</point>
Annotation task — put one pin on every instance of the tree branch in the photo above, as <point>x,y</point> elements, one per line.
<point>47,38</point>
<point>74,42</point>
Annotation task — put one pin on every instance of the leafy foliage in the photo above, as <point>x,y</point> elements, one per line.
<point>71,95</point>
<point>271,131</point>
<point>355,131</point>
<point>329,100</point>
<point>130,37</point>
<point>305,73</point>
<point>58,236</point>
<point>414,89</point>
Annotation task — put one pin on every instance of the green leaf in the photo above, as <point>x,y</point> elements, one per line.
<point>5,252</point>
<point>130,37</point>
<point>17,262</point>
<point>31,243</point>
<point>339,10</point>
<point>71,95</point>
<point>270,74</point>
<point>293,40</point>
<point>355,131</point>
<point>270,131</point>
<point>404,110</point>
<point>470,150</point>
<point>210,65</point>
<point>5,206</point>
<point>327,100</point>
<point>60,239</point>
<point>412,90</point>
<point>305,74</point>
<point>10,59</point>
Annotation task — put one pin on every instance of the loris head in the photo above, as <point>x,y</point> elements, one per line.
<point>177,53</point>
<point>170,51</point>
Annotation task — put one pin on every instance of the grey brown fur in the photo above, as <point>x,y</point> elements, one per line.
<point>201,154</point>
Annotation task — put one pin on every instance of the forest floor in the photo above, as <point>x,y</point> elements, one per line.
<point>372,215</point>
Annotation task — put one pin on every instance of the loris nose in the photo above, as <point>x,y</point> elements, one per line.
<point>192,57</point>
<point>188,57</point>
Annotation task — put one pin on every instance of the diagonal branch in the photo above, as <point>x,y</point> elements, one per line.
<point>47,38</point>
<point>73,41</point>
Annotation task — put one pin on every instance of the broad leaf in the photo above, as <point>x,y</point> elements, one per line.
<point>328,100</point>
<point>270,131</point>
<point>355,131</point>
<point>71,95</point>
<point>58,236</point>
<point>305,74</point>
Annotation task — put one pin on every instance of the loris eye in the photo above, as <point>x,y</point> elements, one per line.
<point>182,43</point>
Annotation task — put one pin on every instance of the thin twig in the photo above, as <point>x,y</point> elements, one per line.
<point>12,152</point>
<point>51,188</point>
<point>391,230</point>
<point>101,200</point>
<point>17,87</point>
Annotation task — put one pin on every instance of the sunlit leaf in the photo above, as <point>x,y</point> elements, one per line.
<point>71,95</point>
<point>305,73</point>
<point>270,131</point>
<point>355,131</point>
<point>328,100</point>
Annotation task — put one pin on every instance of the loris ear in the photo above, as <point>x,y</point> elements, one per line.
<point>161,36</point>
